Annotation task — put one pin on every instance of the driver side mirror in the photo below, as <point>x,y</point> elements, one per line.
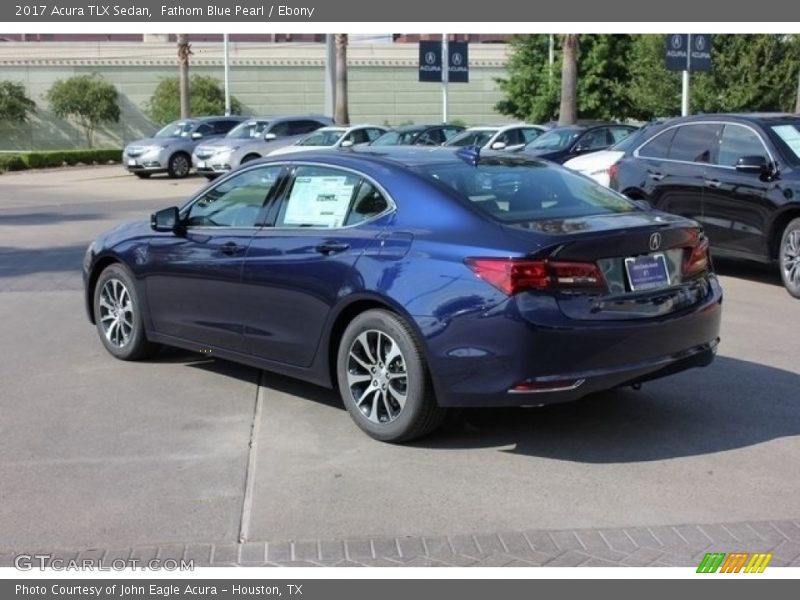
<point>167,219</point>
<point>347,143</point>
<point>268,137</point>
<point>753,164</point>
<point>499,146</point>
<point>197,135</point>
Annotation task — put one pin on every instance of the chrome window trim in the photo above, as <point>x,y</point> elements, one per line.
<point>689,162</point>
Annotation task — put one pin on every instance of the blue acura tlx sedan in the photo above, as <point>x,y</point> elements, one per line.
<point>413,279</point>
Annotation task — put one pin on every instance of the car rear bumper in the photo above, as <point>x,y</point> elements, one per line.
<point>518,361</point>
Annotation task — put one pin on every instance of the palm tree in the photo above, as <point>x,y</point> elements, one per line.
<point>184,50</point>
<point>341,113</point>
<point>568,113</point>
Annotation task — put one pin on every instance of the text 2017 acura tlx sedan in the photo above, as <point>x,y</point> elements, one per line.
<point>414,279</point>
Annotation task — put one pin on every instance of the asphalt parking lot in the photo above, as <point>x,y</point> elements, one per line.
<point>98,453</point>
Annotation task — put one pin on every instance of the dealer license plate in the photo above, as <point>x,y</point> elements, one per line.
<point>647,272</point>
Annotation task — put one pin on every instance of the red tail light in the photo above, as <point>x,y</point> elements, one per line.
<point>612,171</point>
<point>512,275</point>
<point>697,258</point>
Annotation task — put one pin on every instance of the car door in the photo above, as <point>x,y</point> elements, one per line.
<point>194,275</point>
<point>592,140</point>
<point>511,138</point>
<point>297,269</point>
<point>676,182</point>
<point>736,211</point>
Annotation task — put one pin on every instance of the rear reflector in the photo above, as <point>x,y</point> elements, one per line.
<point>540,387</point>
<point>512,275</point>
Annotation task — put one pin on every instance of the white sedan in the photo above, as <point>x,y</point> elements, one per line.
<point>334,137</point>
<point>596,165</point>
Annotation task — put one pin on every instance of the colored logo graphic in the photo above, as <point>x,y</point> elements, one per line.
<point>735,562</point>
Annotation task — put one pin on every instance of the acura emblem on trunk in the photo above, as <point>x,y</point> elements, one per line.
<point>655,241</point>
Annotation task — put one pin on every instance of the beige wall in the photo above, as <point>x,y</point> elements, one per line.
<point>266,78</point>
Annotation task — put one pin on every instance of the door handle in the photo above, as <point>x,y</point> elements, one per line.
<point>231,248</point>
<point>713,183</point>
<point>656,176</point>
<point>329,247</point>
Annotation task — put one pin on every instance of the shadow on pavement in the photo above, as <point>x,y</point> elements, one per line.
<point>731,404</point>
<point>48,218</point>
<point>16,261</point>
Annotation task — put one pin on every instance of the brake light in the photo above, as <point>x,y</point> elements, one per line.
<point>612,171</point>
<point>697,258</point>
<point>513,275</point>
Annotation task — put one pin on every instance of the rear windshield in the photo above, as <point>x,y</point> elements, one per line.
<point>517,190</point>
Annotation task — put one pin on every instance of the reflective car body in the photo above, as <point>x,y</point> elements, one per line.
<point>494,263</point>
<point>252,139</point>
<point>561,144</point>
<point>419,135</point>
<point>505,137</point>
<point>179,138</point>
<point>332,137</point>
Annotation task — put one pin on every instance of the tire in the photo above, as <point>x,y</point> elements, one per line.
<point>248,158</point>
<point>143,175</point>
<point>789,258</point>
<point>121,330</point>
<point>179,165</point>
<point>383,414</point>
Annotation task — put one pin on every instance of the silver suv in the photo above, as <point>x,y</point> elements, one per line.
<point>170,150</point>
<point>253,139</point>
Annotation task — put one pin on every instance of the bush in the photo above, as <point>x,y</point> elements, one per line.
<point>89,99</point>
<point>57,158</point>
<point>207,98</point>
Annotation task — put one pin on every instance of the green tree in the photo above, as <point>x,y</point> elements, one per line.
<point>89,99</point>
<point>750,73</point>
<point>532,88</point>
<point>652,90</point>
<point>208,98</point>
<point>14,102</point>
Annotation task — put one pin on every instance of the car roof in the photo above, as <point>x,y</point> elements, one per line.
<point>215,118</point>
<point>754,117</point>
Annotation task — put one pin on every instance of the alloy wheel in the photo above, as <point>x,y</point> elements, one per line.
<point>116,312</point>
<point>791,258</point>
<point>377,377</point>
<point>180,165</point>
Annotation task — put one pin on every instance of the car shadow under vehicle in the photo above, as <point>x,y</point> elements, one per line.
<point>749,270</point>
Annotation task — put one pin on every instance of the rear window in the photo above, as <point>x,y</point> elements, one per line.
<point>517,190</point>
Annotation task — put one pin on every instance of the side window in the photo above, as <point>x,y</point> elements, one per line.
<point>281,129</point>
<point>205,129</point>
<point>737,141</point>
<point>695,143</point>
<point>619,133</point>
<point>359,136</point>
<point>597,139</point>
<point>450,132</point>
<point>374,134</point>
<point>368,202</point>
<point>305,126</point>
<point>236,202</point>
<point>223,127</point>
<point>432,137</point>
<point>529,134</point>
<point>659,146</point>
<point>320,197</point>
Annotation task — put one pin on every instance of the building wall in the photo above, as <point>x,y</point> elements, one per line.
<point>266,78</point>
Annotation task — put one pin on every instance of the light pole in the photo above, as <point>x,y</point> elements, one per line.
<point>226,59</point>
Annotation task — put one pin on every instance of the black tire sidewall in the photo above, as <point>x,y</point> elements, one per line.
<point>170,165</point>
<point>793,225</point>
<point>138,340</point>
<point>417,394</point>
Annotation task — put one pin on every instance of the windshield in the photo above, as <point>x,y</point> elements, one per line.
<point>322,138</point>
<point>176,129</point>
<point>789,139</point>
<point>394,138</point>
<point>478,137</point>
<point>248,130</point>
<point>520,190</point>
<point>556,139</point>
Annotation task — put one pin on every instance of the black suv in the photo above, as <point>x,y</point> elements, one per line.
<point>737,174</point>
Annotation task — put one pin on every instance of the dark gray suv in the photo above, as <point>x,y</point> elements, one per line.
<point>170,149</point>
